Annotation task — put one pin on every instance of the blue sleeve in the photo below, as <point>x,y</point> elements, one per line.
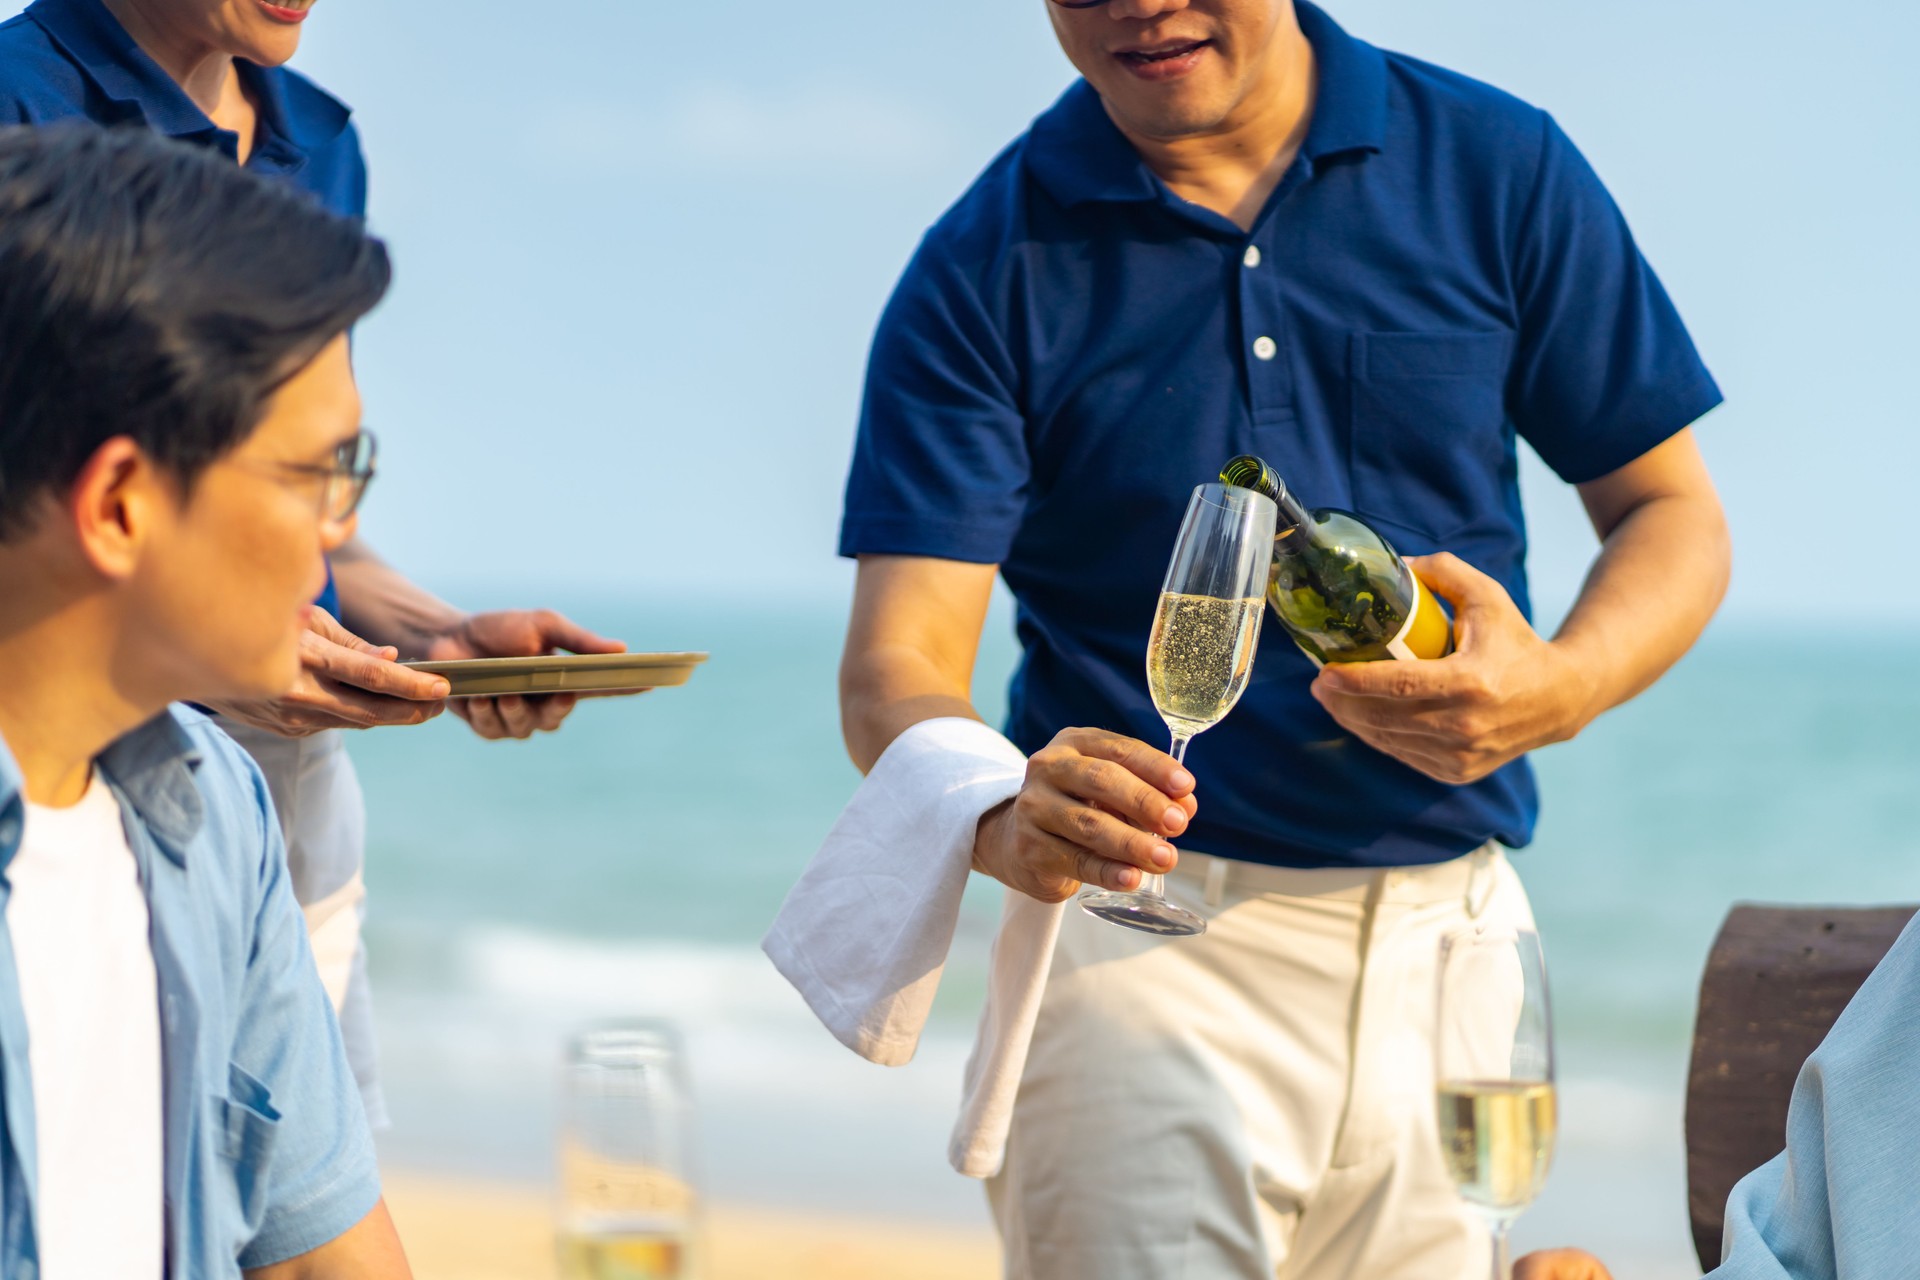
<point>1603,368</point>
<point>1838,1203</point>
<point>320,1170</point>
<point>940,464</point>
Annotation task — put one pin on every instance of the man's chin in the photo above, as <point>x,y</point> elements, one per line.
<point>263,683</point>
<point>1166,117</point>
<point>275,51</point>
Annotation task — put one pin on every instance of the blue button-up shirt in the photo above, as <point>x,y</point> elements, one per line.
<point>1838,1203</point>
<point>1074,347</point>
<point>63,59</point>
<point>267,1153</point>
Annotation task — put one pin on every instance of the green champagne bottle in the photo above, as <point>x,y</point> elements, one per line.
<point>1338,586</point>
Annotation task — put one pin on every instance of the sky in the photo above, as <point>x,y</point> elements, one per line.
<point>641,248</point>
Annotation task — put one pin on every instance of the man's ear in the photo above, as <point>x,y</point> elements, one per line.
<point>115,504</point>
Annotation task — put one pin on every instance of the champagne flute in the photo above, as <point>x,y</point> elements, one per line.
<point>628,1203</point>
<point>1199,657</point>
<point>1493,1059</point>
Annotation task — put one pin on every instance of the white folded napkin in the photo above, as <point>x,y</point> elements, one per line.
<point>864,934</point>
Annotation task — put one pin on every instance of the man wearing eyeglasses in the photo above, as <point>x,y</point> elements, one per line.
<point>1246,231</point>
<point>212,73</point>
<point>176,405</point>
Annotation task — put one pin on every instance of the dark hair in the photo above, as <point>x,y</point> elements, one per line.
<point>155,290</point>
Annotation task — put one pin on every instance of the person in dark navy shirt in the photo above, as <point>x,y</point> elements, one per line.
<point>211,72</point>
<point>1245,230</point>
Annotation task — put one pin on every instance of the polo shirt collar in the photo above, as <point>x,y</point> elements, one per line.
<point>294,111</point>
<point>1080,156</point>
<point>1350,109</point>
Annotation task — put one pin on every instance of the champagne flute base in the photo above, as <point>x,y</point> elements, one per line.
<point>1147,912</point>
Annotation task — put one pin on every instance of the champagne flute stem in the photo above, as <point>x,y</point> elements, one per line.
<point>1502,1260</point>
<point>1157,885</point>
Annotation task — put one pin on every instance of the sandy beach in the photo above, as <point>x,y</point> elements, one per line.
<point>461,1230</point>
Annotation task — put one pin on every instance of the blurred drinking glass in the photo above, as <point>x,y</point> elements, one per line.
<point>627,1189</point>
<point>1493,1058</point>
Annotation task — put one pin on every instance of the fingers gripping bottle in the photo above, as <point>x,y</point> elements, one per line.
<point>1338,586</point>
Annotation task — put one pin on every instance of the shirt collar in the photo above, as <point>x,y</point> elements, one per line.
<point>1079,155</point>
<point>293,109</point>
<point>152,767</point>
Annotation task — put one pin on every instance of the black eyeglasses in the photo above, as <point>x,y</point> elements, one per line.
<point>1079,4</point>
<point>344,481</point>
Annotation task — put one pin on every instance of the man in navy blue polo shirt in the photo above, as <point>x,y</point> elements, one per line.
<point>1245,231</point>
<point>211,72</point>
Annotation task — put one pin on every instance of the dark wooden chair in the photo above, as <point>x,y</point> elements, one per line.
<point>1776,981</point>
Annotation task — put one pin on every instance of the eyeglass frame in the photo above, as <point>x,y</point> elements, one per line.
<point>1079,4</point>
<point>346,479</point>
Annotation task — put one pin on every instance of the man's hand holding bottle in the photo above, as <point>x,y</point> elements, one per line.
<point>1502,692</point>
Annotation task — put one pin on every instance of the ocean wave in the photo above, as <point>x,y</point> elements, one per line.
<point>510,997</point>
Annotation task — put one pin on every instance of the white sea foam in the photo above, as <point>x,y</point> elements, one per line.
<point>788,1115</point>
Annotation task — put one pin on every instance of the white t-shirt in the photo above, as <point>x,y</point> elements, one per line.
<point>78,918</point>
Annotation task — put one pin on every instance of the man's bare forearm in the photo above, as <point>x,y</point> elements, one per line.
<point>911,644</point>
<point>379,603</point>
<point>1661,573</point>
<point>887,690</point>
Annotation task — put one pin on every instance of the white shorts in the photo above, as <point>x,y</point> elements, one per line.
<point>1254,1103</point>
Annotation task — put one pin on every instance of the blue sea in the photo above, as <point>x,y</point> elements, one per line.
<point>629,864</point>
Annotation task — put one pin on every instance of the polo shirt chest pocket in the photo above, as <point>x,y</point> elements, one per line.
<point>1431,448</point>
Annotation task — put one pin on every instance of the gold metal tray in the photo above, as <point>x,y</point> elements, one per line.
<point>564,673</point>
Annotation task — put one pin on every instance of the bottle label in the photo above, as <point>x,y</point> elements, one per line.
<point>1426,633</point>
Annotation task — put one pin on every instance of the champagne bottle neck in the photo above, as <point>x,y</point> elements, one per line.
<point>1249,472</point>
<point>1293,516</point>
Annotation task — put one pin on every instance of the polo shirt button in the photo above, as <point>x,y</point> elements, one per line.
<point>1252,256</point>
<point>1265,348</point>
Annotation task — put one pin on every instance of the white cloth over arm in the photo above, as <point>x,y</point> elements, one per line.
<point>1840,1203</point>
<point>865,933</point>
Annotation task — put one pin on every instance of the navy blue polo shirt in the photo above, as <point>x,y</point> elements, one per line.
<point>1074,347</point>
<point>66,59</point>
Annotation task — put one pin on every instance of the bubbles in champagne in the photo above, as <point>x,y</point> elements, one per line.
<point>1199,657</point>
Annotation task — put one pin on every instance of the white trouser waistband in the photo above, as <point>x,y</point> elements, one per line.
<point>1469,876</point>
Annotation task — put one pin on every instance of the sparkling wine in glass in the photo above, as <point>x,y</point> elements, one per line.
<point>1199,657</point>
<point>1493,1055</point>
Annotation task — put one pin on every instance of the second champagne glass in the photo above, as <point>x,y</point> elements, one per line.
<point>1493,1059</point>
<point>1199,657</point>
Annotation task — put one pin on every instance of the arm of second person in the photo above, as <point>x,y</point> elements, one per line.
<point>344,683</point>
<point>380,602</point>
<point>1095,806</point>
